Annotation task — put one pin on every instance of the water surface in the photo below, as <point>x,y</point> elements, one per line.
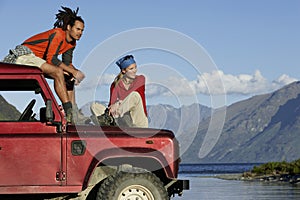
<point>205,186</point>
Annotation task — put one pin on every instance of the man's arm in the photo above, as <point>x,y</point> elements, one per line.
<point>70,69</point>
<point>67,66</point>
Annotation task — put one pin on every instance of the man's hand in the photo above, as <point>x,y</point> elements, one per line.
<point>79,76</point>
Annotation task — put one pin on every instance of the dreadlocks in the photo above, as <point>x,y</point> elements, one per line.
<point>66,17</point>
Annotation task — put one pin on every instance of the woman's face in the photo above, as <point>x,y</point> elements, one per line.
<point>130,71</point>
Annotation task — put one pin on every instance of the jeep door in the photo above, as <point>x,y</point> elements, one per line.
<point>30,150</point>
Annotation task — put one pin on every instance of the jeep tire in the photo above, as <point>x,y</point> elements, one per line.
<point>132,186</point>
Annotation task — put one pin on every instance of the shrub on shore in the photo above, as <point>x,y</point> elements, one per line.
<point>273,168</point>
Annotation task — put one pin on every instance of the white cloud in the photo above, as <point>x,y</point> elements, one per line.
<point>284,80</point>
<point>218,83</point>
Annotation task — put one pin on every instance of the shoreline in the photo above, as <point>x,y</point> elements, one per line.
<point>227,176</point>
<point>278,179</point>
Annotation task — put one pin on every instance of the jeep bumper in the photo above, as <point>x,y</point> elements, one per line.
<point>177,186</point>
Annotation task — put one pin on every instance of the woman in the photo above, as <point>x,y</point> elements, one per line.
<point>127,94</point>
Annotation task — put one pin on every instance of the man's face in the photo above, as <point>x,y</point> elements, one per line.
<point>75,32</point>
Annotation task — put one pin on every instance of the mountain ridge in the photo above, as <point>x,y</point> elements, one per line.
<point>250,136</point>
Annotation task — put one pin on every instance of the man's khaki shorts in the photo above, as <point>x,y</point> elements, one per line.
<point>30,59</point>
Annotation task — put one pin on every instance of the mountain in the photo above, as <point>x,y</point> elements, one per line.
<point>263,128</point>
<point>176,119</point>
<point>7,111</point>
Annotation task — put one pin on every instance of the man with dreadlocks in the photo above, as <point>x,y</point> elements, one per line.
<point>42,50</point>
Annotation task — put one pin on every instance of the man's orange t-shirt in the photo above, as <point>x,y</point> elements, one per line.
<point>49,44</point>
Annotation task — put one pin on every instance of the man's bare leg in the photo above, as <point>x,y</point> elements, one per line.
<point>60,87</point>
<point>59,81</point>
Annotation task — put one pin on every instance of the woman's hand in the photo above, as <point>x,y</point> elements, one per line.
<point>113,109</point>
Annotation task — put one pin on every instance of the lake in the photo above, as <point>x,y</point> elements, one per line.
<point>205,186</point>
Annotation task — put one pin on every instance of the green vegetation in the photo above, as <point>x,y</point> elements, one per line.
<point>270,168</point>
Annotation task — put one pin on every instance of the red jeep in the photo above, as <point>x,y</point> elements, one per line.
<point>41,155</point>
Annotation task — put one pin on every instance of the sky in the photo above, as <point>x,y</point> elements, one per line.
<point>212,52</point>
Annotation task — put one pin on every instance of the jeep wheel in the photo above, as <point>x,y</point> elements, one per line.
<point>132,186</point>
